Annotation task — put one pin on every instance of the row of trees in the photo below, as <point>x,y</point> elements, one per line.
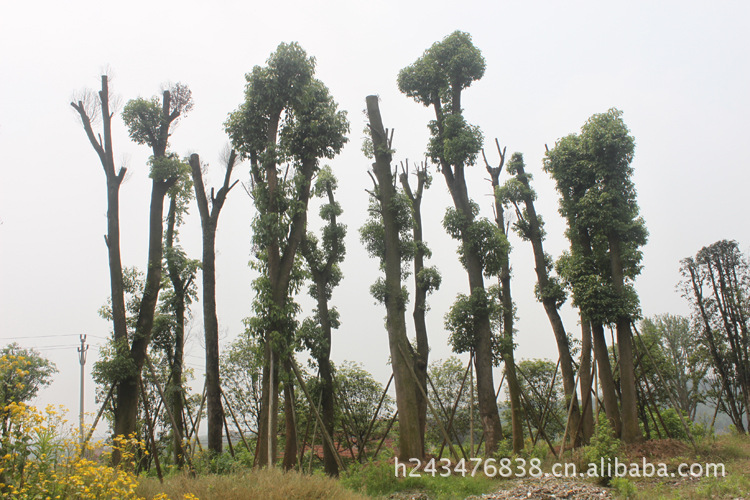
<point>286,126</point>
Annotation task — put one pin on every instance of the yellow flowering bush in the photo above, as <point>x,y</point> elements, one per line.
<point>41,459</point>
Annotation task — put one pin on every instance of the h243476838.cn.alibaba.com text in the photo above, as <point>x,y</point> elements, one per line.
<point>520,467</point>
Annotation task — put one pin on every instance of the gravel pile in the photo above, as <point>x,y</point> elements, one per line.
<point>546,488</point>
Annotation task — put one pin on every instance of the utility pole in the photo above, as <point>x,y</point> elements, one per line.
<point>82,359</point>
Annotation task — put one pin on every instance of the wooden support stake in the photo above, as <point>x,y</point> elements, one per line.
<point>96,420</point>
<point>455,405</point>
<point>169,412</point>
<point>432,408</point>
<point>150,427</point>
<point>361,451</point>
<point>236,423</point>
<point>323,430</point>
<point>387,430</point>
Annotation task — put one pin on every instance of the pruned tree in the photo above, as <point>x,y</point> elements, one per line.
<point>593,174</point>
<point>426,280</point>
<point>716,282</point>
<point>518,194</point>
<point>149,123</point>
<point>387,236</point>
<point>209,210</point>
<point>437,80</point>
<point>506,301</point>
<point>179,290</point>
<point>288,119</point>
<point>323,257</point>
<point>88,107</point>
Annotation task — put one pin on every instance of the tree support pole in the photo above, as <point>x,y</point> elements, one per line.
<point>445,412</point>
<point>570,412</point>
<point>549,397</point>
<point>150,426</point>
<point>455,405</point>
<point>234,419</point>
<point>96,420</point>
<point>669,391</point>
<point>497,394</point>
<point>169,412</point>
<point>387,430</point>
<point>323,430</point>
<point>432,408</point>
<point>374,418</point>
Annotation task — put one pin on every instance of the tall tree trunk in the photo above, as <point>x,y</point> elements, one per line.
<point>214,409</point>
<point>126,411</point>
<point>606,380</point>
<point>601,355</point>
<point>534,235</point>
<point>483,349</point>
<point>420,295</point>
<point>410,442</point>
<point>514,388</point>
<point>209,223</point>
<point>631,431</point>
<point>290,421</point>
<point>175,390</point>
<point>103,148</point>
<point>586,381</point>
<point>265,452</point>
<point>330,464</point>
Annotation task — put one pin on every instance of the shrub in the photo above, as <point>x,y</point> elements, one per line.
<point>623,487</point>
<point>40,459</point>
<point>604,446</point>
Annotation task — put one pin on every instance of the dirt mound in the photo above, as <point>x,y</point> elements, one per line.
<point>657,448</point>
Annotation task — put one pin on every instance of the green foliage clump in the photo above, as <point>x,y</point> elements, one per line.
<point>462,323</point>
<point>478,236</point>
<point>623,487</point>
<point>593,173</point>
<point>22,373</point>
<point>604,446</point>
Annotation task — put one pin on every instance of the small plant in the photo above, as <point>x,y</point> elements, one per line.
<point>602,451</point>
<point>623,487</point>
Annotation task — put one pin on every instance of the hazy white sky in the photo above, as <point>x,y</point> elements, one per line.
<point>679,70</point>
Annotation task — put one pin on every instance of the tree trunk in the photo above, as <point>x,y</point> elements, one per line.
<point>126,411</point>
<point>330,464</point>
<point>175,390</point>
<point>514,388</point>
<point>290,421</point>
<point>550,306</point>
<point>420,297</point>
<point>586,381</point>
<point>631,431</point>
<point>265,453</point>
<point>209,223</point>
<point>103,148</point>
<point>606,380</point>
<point>410,442</point>
<point>214,409</point>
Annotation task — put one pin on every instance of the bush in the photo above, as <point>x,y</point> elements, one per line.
<point>40,459</point>
<point>604,446</point>
<point>623,487</point>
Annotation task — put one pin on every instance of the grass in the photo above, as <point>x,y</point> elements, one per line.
<point>731,450</point>
<point>378,480</point>
<point>269,484</point>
